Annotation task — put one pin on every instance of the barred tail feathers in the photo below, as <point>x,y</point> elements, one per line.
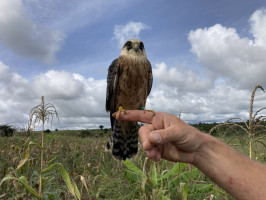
<point>124,140</point>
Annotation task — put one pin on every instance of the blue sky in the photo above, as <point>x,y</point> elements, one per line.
<point>206,56</point>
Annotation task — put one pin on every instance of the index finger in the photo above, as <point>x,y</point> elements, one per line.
<point>136,116</point>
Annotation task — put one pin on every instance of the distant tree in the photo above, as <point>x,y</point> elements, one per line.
<point>56,130</point>
<point>7,130</point>
<point>47,131</point>
<point>101,127</point>
<point>85,133</point>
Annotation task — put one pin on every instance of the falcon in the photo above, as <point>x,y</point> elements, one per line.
<point>129,83</point>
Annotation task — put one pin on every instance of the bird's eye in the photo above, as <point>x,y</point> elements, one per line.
<point>141,46</point>
<point>128,45</point>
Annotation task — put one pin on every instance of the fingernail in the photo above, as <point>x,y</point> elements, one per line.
<point>156,137</point>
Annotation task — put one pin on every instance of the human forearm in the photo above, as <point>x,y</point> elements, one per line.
<point>167,137</point>
<point>237,174</point>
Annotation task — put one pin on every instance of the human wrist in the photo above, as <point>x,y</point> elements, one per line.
<point>212,157</point>
<point>205,148</point>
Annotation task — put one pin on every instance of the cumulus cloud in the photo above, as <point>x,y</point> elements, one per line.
<point>25,37</point>
<point>230,67</point>
<point>128,31</point>
<point>239,60</point>
<point>205,100</point>
<point>15,94</point>
<point>80,101</point>
<point>258,26</point>
<point>182,79</point>
<point>58,85</point>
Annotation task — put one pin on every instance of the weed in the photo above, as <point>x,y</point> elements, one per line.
<point>39,114</point>
<point>179,182</point>
<point>252,128</point>
<point>74,163</point>
<point>7,130</point>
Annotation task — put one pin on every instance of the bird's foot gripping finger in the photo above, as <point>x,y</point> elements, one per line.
<point>142,108</point>
<point>120,109</point>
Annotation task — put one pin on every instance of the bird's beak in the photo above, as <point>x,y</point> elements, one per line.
<point>136,48</point>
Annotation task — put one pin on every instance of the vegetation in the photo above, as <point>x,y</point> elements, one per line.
<point>101,127</point>
<point>68,164</point>
<point>39,114</point>
<point>7,130</point>
<point>96,173</point>
<point>253,127</point>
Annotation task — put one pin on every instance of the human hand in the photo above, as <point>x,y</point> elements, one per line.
<point>165,136</point>
<point>168,137</point>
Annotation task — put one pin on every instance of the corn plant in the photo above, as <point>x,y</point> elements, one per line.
<point>179,181</point>
<point>252,128</point>
<point>41,113</point>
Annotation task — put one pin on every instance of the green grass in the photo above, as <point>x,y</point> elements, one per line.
<point>80,157</point>
<point>84,158</point>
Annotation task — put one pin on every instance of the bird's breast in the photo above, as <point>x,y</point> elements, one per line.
<point>132,83</point>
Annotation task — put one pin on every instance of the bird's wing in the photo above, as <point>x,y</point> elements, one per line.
<point>112,80</point>
<point>150,80</point>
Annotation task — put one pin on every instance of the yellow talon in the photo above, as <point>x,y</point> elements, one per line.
<point>149,111</point>
<point>143,108</point>
<point>120,109</point>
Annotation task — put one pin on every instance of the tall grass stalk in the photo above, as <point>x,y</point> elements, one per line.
<point>252,128</point>
<point>253,121</point>
<point>41,114</point>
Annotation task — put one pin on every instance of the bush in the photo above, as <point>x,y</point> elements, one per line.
<point>85,133</point>
<point>7,130</point>
<point>47,131</point>
<point>101,127</point>
<point>101,134</point>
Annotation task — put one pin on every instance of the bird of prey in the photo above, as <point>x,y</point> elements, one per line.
<point>129,83</point>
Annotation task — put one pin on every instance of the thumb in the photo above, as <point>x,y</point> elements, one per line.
<point>162,136</point>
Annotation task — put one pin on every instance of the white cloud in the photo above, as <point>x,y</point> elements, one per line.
<point>201,101</point>
<point>14,96</point>
<point>128,31</point>
<point>80,101</point>
<point>25,37</point>
<point>258,26</point>
<point>181,78</point>
<point>241,61</point>
<point>232,66</point>
<point>58,85</point>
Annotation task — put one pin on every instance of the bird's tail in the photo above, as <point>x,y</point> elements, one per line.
<point>125,145</point>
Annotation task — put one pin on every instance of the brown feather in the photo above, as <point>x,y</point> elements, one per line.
<point>133,85</point>
<point>129,83</point>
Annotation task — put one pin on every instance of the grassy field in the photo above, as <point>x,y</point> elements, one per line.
<point>96,174</point>
<point>74,164</point>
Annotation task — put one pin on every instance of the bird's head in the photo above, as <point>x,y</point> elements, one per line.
<point>134,48</point>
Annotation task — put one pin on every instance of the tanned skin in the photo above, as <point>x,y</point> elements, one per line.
<point>165,136</point>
